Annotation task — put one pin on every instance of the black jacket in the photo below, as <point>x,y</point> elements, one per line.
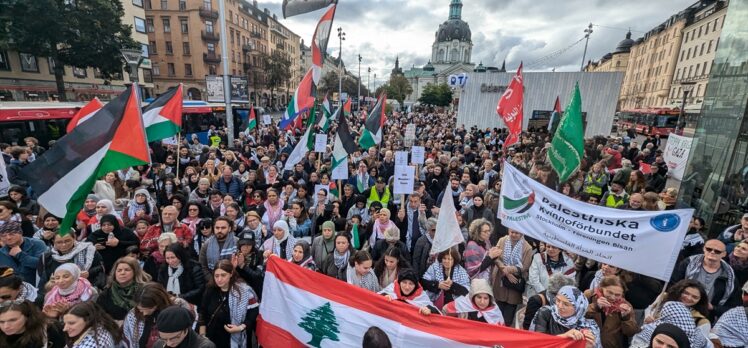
<point>720,288</point>
<point>191,282</point>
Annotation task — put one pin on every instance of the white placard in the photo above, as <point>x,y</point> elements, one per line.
<point>645,242</point>
<point>4,181</point>
<point>341,171</point>
<point>417,154</point>
<point>320,143</point>
<point>401,158</point>
<point>266,119</point>
<point>404,180</point>
<point>676,154</point>
<point>410,132</point>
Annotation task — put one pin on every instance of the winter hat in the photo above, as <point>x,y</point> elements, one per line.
<point>407,274</point>
<point>480,286</point>
<point>10,227</point>
<point>328,225</point>
<point>92,197</point>
<point>174,319</point>
<point>673,332</point>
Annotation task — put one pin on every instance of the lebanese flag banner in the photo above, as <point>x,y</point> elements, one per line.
<point>309,309</point>
<point>510,107</point>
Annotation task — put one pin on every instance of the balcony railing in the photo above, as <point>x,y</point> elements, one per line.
<point>247,66</point>
<point>246,47</point>
<point>211,58</point>
<point>256,34</point>
<point>210,36</point>
<point>280,46</point>
<point>208,13</point>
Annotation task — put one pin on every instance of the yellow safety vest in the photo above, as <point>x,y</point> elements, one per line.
<point>374,197</point>
<point>215,141</point>
<point>594,189</point>
<point>614,201</point>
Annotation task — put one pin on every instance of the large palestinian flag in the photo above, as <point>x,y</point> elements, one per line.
<point>343,146</point>
<point>163,117</point>
<point>65,174</point>
<point>301,101</point>
<point>372,134</point>
<point>319,42</point>
<point>309,309</point>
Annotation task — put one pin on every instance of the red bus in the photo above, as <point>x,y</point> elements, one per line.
<point>653,121</point>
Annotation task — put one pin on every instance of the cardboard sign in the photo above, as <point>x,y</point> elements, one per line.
<point>404,180</point>
<point>401,158</point>
<point>320,143</point>
<point>417,154</point>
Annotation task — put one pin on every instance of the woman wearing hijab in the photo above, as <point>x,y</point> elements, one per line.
<point>381,224</point>
<point>676,313</point>
<point>229,308</point>
<point>103,207</point>
<point>445,279</point>
<point>406,289</point>
<point>548,297</point>
<point>69,289</point>
<point>612,313</point>
<point>338,258</point>
<point>125,278</point>
<point>324,244</point>
<point>88,211</point>
<point>565,318</point>
<point>281,244</point>
<point>478,305</point>
<point>111,240</point>
<point>302,256</point>
<point>181,276</point>
<point>66,249</point>
<point>141,207</point>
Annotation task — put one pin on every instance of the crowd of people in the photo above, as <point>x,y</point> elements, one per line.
<point>172,254</point>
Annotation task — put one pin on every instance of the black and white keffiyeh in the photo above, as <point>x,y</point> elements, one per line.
<point>82,255</point>
<point>241,299</point>
<point>676,313</point>
<point>96,338</point>
<point>512,256</point>
<point>732,328</point>
<point>436,272</point>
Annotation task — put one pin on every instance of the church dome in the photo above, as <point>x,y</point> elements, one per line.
<point>625,45</point>
<point>454,29</point>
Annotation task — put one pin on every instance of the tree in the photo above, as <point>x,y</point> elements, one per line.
<point>278,71</point>
<point>321,324</point>
<point>398,88</point>
<point>80,33</point>
<point>437,95</point>
<point>329,83</point>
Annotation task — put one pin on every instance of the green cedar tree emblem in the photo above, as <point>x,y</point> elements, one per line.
<point>321,324</point>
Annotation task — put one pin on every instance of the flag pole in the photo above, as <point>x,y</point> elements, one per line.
<point>179,142</point>
<point>340,189</point>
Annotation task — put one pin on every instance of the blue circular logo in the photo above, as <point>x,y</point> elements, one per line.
<point>665,222</point>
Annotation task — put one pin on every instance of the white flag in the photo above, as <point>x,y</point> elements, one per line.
<point>4,182</point>
<point>448,233</point>
<point>298,153</point>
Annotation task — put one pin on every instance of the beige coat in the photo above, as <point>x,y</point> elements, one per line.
<point>501,293</point>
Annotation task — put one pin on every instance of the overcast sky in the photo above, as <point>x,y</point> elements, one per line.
<point>515,30</point>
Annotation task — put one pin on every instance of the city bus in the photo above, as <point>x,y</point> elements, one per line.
<point>653,121</point>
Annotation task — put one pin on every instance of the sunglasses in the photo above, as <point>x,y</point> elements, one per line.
<point>713,251</point>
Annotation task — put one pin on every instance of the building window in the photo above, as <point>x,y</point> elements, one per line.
<point>164,4</point>
<point>155,69</point>
<point>4,63</point>
<point>138,3</point>
<point>233,56</point>
<point>182,5</point>
<point>183,25</point>
<point>152,44</point>
<point>167,25</point>
<point>147,4</point>
<point>52,64</point>
<point>170,69</point>
<point>211,69</point>
<point>707,28</point>
<point>188,70</point>
<point>149,25</point>
<point>207,5</point>
<point>232,36</point>
<point>186,48</point>
<point>169,48</point>
<point>80,72</point>
<point>28,62</point>
<point>211,48</point>
<point>709,48</point>
<point>145,49</point>
<point>147,75</point>
<point>139,25</point>
<point>208,26</point>
<point>697,69</point>
<point>703,69</point>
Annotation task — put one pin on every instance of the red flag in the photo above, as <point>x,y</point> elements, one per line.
<point>510,106</point>
<point>557,106</point>
<point>645,168</point>
<point>347,106</point>
<point>84,113</point>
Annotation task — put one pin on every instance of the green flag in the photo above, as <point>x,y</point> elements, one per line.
<point>355,241</point>
<point>310,125</point>
<point>567,146</point>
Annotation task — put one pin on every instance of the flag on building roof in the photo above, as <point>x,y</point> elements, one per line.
<point>567,146</point>
<point>319,42</point>
<point>301,100</point>
<point>297,7</point>
<point>510,108</point>
<point>64,175</point>
<point>555,117</point>
<point>327,116</point>
<point>448,233</point>
<point>309,309</point>
<point>372,133</point>
<point>85,113</point>
<point>343,146</point>
<point>162,118</point>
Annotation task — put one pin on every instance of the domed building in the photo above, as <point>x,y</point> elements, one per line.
<point>614,61</point>
<point>450,53</point>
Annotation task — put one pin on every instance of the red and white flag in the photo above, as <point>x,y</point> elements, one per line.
<point>84,113</point>
<point>319,43</point>
<point>309,309</point>
<point>510,107</point>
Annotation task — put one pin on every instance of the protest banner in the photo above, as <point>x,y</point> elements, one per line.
<point>676,154</point>
<point>309,309</point>
<point>401,158</point>
<point>417,154</point>
<point>645,242</point>
<point>404,180</point>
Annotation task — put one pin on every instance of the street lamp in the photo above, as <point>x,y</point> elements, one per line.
<point>368,85</point>
<point>587,33</point>
<point>687,88</point>
<point>341,36</point>
<point>133,57</point>
<point>358,100</point>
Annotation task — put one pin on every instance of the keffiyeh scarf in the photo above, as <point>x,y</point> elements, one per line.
<point>577,320</point>
<point>436,272</point>
<point>676,313</point>
<point>241,298</point>
<point>732,327</point>
<point>695,264</point>
<point>82,255</point>
<point>512,256</point>
<point>367,281</point>
<point>214,254</point>
<point>340,259</point>
<point>492,314</point>
<point>596,281</point>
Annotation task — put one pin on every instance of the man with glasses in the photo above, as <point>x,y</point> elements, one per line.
<point>19,252</point>
<point>715,274</point>
<point>175,330</point>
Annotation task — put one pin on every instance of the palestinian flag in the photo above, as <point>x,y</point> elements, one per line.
<point>343,146</point>
<point>297,7</point>
<point>310,122</point>
<point>309,309</point>
<point>163,117</point>
<point>300,150</point>
<point>65,174</point>
<point>301,101</point>
<point>555,117</point>
<point>324,121</point>
<point>252,120</point>
<point>319,43</point>
<point>355,237</point>
<point>372,134</point>
<point>347,106</point>
<point>84,113</point>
